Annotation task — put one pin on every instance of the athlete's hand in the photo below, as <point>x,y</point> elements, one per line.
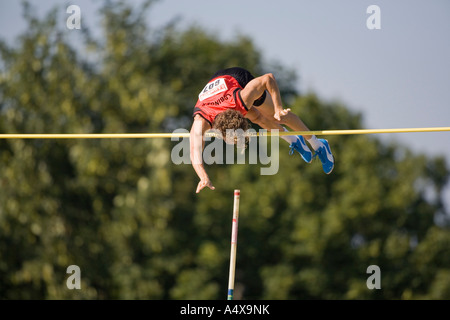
<point>204,183</point>
<point>280,112</point>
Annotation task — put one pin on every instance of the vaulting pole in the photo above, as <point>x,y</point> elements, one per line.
<point>234,234</point>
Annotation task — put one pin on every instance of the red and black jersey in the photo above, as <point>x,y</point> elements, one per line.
<point>221,93</point>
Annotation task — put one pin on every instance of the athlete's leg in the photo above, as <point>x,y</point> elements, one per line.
<point>262,86</point>
<point>290,119</point>
<point>269,123</point>
<point>255,116</point>
<point>294,122</point>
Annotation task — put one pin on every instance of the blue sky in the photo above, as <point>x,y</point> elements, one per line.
<point>397,77</point>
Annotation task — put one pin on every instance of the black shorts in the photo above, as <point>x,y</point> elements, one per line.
<point>243,77</point>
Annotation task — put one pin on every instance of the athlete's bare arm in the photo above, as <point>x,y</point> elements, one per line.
<point>255,88</point>
<point>197,143</point>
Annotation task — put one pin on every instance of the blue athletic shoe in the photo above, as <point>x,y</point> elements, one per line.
<point>325,156</point>
<point>301,147</point>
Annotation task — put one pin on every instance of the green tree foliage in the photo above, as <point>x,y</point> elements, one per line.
<point>130,218</point>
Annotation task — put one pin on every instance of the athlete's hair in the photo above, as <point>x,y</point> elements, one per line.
<point>231,120</point>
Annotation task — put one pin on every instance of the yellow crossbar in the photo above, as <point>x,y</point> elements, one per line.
<point>186,135</point>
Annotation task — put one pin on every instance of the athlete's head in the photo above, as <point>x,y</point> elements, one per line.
<point>228,124</point>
